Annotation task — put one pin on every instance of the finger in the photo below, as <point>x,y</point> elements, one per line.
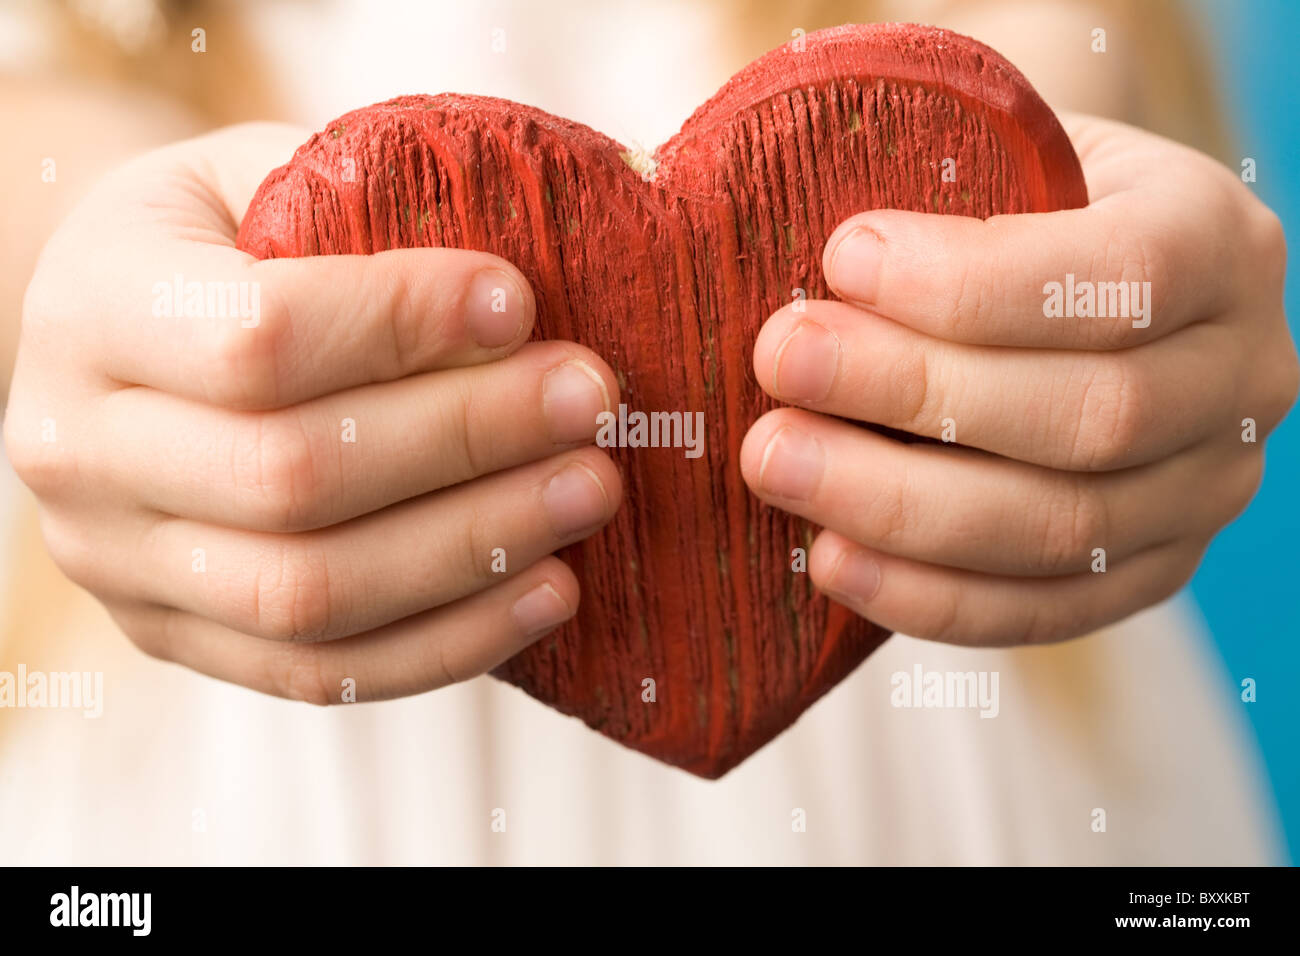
<point>216,326</point>
<point>353,452</point>
<point>1132,267</point>
<point>967,509</point>
<point>261,147</point>
<point>1081,411</point>
<point>194,190</point>
<point>963,607</point>
<point>327,584</point>
<point>1108,152</point>
<point>419,653</point>
<point>187,313</point>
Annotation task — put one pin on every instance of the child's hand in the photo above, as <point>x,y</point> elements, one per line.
<point>266,495</point>
<point>1080,433</point>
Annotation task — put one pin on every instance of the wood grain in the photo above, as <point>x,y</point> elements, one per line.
<point>669,280</point>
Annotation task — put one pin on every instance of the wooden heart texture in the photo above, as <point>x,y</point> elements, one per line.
<point>668,274</point>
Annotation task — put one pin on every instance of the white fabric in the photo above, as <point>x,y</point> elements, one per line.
<point>181,768</point>
<point>1139,721</point>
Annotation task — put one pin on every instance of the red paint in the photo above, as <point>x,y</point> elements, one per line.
<point>670,281</point>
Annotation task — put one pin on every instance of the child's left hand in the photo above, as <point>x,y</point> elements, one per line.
<point>1075,434</point>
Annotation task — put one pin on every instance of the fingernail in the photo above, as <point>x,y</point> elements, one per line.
<point>792,465</point>
<point>855,265</point>
<point>575,500</point>
<point>495,308</point>
<point>541,609</point>
<point>572,396</point>
<point>856,577</point>
<point>806,362</point>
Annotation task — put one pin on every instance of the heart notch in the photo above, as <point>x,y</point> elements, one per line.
<point>697,639</point>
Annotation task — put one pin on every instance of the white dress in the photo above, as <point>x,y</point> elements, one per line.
<point>1139,722</point>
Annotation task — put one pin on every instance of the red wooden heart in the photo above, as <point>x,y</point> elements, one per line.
<point>669,278</point>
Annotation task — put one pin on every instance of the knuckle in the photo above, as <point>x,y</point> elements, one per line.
<point>1283,385</point>
<point>1111,417</point>
<point>1141,260</point>
<point>477,547</point>
<point>1176,570</point>
<point>1248,486</point>
<point>275,470</point>
<point>296,674</point>
<point>150,640</point>
<point>71,550</point>
<point>1267,240</point>
<point>1073,522</point>
<point>1242,488</point>
<point>1289,384</point>
<point>891,514</point>
<point>413,339</point>
<point>150,633</point>
<point>1130,257</point>
<point>460,435</point>
<point>463,429</point>
<point>44,467</point>
<point>944,620</point>
<point>1032,626</point>
<point>912,381</point>
<point>291,597</point>
<point>969,306</point>
<point>239,365</point>
<point>1288,390</point>
<point>43,299</point>
<point>444,669</point>
<point>1185,569</point>
<point>1051,627</point>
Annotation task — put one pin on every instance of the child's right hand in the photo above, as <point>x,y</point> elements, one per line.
<point>195,473</point>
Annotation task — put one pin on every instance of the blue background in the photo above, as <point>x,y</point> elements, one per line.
<point>1247,585</point>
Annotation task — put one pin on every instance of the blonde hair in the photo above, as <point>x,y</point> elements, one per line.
<point>150,46</point>
<point>1172,83</point>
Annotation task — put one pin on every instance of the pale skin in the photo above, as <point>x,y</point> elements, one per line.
<point>1081,433</point>
<point>320,560</point>
<point>324,562</point>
